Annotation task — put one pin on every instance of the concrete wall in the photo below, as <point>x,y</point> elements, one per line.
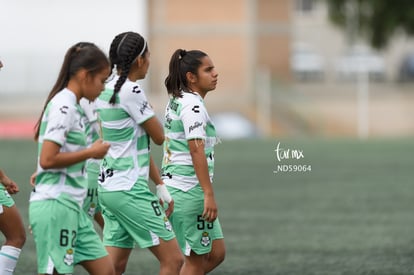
<point>239,35</point>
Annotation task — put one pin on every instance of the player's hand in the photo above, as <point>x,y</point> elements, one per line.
<point>170,208</point>
<point>33,179</point>
<point>210,208</point>
<point>10,185</point>
<point>164,196</point>
<point>99,149</point>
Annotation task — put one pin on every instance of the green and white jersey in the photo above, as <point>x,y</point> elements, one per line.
<point>64,123</point>
<point>186,118</point>
<point>127,160</point>
<point>93,127</point>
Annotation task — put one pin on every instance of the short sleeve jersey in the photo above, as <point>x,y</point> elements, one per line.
<point>92,127</point>
<point>63,123</point>
<point>186,118</point>
<point>127,160</point>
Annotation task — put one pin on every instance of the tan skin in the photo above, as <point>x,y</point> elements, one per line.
<point>11,224</point>
<point>167,252</point>
<point>82,84</point>
<point>97,217</point>
<point>203,82</point>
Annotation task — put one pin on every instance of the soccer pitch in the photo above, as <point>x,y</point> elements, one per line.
<point>337,206</point>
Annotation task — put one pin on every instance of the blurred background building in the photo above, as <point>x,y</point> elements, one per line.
<point>284,69</point>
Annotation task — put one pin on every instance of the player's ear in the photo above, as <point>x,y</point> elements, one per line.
<point>191,78</point>
<point>140,61</point>
<point>82,74</point>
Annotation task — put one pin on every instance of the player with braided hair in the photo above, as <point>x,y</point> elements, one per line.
<point>132,213</point>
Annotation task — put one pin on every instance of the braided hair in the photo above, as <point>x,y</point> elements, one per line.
<point>124,50</point>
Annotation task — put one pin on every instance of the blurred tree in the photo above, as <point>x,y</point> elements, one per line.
<point>374,20</point>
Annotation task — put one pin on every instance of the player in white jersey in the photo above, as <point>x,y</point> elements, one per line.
<point>188,161</point>
<point>132,213</point>
<point>91,203</point>
<point>63,234</point>
<point>11,225</point>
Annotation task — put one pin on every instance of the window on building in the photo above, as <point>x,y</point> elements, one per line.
<point>304,5</point>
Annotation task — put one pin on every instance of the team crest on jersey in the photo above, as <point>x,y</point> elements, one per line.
<point>6,193</point>
<point>68,259</point>
<point>167,224</point>
<point>205,239</point>
<point>92,209</point>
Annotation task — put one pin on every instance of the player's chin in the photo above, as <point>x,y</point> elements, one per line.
<point>93,96</point>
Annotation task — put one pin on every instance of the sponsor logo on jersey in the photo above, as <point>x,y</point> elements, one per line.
<point>145,105</point>
<point>56,128</point>
<point>136,90</point>
<point>196,109</point>
<point>196,125</point>
<point>64,109</point>
<point>173,105</point>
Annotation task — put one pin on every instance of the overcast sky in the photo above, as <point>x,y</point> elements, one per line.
<point>35,34</point>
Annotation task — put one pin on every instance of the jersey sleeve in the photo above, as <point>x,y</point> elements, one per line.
<point>137,105</point>
<point>194,118</point>
<point>60,119</point>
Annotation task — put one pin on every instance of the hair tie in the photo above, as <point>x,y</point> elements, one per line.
<point>182,54</point>
<point>120,43</point>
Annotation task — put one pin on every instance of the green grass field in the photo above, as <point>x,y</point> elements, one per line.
<point>353,213</point>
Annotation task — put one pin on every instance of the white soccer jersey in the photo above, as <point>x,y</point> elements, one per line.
<point>93,126</point>
<point>186,118</point>
<point>64,123</point>
<point>128,158</point>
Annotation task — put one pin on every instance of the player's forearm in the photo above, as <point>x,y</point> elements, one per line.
<point>61,160</point>
<point>154,172</point>
<point>201,169</point>
<point>2,176</point>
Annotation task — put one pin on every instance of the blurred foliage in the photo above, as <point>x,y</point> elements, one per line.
<point>377,21</point>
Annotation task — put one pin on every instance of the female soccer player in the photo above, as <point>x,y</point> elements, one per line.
<point>132,213</point>
<point>63,234</point>
<point>91,204</point>
<point>11,225</point>
<point>189,161</point>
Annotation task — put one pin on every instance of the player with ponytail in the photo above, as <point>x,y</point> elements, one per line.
<point>63,234</point>
<point>188,163</point>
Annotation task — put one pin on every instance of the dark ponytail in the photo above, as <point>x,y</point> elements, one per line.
<point>181,62</point>
<point>124,50</point>
<point>83,55</point>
